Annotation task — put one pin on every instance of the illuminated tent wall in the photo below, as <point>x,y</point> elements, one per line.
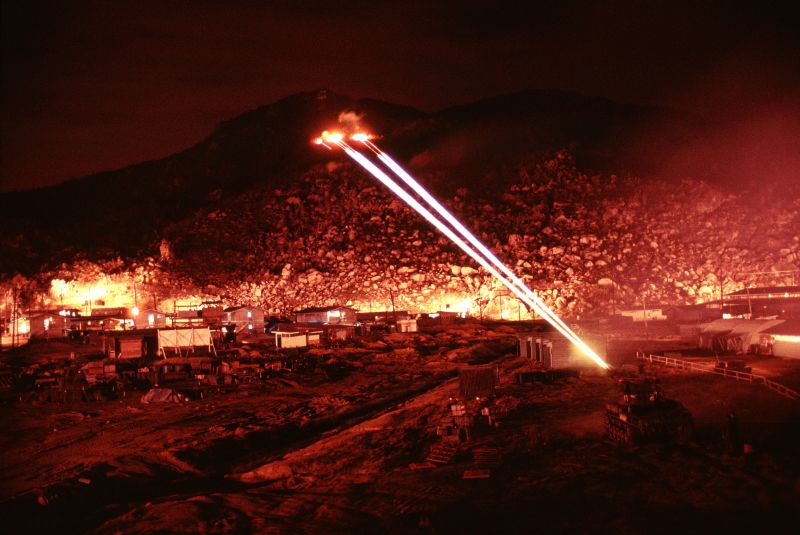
<point>291,339</point>
<point>783,340</point>
<point>180,340</point>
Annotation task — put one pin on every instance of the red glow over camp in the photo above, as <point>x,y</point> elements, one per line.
<point>455,267</point>
<point>456,231</point>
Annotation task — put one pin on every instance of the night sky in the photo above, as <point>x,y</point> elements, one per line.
<point>90,86</point>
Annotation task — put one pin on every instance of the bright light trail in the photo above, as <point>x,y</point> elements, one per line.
<point>531,300</point>
<point>424,212</point>
<point>542,309</point>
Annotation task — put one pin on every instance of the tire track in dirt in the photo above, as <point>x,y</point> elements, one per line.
<point>83,508</point>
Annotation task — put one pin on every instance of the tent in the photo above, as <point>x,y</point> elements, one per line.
<point>737,336</point>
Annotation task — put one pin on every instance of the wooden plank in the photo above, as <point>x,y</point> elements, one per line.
<point>421,466</point>
<point>477,474</point>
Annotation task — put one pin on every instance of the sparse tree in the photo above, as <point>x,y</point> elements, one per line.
<point>390,285</point>
<point>480,287</point>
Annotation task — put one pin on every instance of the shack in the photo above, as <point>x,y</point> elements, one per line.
<point>332,315</point>
<point>41,324</point>
<point>245,319</point>
<point>149,318</point>
<point>131,344</point>
<point>407,326</point>
<point>554,351</point>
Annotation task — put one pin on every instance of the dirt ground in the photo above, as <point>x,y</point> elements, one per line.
<point>303,453</point>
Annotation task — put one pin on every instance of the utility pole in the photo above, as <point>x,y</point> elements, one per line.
<point>63,316</point>
<point>14,320</point>
<point>613,298</point>
<point>749,303</point>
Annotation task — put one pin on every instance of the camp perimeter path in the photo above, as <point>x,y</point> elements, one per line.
<point>79,464</point>
<point>311,455</point>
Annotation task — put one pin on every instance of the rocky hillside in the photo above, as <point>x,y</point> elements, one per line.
<point>583,240</point>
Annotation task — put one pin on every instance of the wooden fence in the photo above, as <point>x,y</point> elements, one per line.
<point>733,374</point>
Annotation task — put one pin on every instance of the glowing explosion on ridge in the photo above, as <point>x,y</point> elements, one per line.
<point>457,232</point>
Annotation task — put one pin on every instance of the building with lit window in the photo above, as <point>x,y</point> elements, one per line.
<point>245,319</point>
<point>149,318</point>
<point>40,324</point>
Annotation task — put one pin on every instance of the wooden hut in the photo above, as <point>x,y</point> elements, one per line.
<point>332,315</point>
<point>245,319</point>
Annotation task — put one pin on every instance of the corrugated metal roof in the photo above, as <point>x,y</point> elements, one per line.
<point>739,326</point>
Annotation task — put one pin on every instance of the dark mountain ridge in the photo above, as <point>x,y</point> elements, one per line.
<point>123,212</point>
